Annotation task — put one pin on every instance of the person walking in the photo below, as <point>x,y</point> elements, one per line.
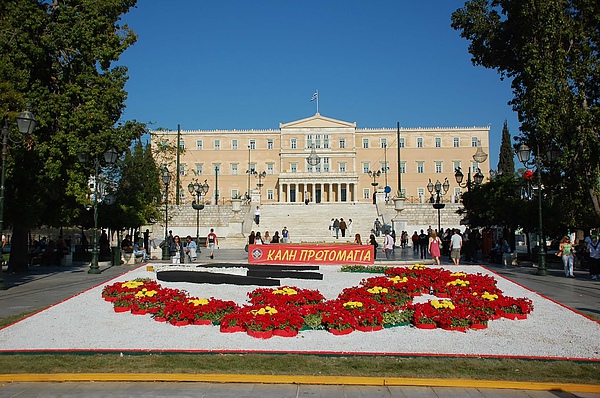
<point>594,251</point>
<point>373,242</point>
<point>211,242</point>
<point>377,227</point>
<point>336,228</point>
<point>349,224</point>
<point>331,228</point>
<point>423,242</point>
<point>415,242</point>
<point>456,244</point>
<point>176,250</point>
<point>190,250</point>
<point>257,216</point>
<point>434,247</point>
<point>285,235</point>
<point>567,251</point>
<point>343,227</point>
<point>388,244</point>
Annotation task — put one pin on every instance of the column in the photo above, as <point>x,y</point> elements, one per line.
<point>313,196</point>
<point>339,192</point>
<point>287,191</point>
<point>279,199</point>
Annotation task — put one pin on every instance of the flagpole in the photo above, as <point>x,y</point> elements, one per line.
<point>317,91</point>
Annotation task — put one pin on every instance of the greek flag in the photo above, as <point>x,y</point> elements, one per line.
<point>315,96</point>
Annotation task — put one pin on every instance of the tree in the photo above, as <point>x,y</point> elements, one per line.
<point>59,56</point>
<point>506,161</point>
<point>550,51</point>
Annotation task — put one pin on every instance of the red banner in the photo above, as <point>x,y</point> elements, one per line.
<point>310,254</point>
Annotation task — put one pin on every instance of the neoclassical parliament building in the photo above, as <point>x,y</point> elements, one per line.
<point>324,160</point>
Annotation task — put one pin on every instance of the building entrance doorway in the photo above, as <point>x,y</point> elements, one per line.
<point>343,195</point>
<point>292,195</point>
<point>317,196</point>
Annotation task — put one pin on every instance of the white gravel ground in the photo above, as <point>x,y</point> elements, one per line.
<point>87,322</point>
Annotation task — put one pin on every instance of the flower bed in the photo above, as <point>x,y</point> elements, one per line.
<point>465,301</point>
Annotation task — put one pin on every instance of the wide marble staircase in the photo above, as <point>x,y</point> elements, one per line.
<point>310,223</point>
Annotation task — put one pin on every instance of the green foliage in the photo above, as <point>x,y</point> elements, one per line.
<point>61,59</point>
<point>549,50</point>
<point>373,269</point>
<point>506,162</point>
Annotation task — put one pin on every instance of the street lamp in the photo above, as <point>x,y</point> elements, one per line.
<point>479,157</point>
<point>166,179</point>
<point>375,175</point>
<point>198,189</point>
<point>25,123</point>
<point>260,177</point>
<point>313,159</point>
<point>110,157</point>
<point>524,155</point>
<point>440,190</point>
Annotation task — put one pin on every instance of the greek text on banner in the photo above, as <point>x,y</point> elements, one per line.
<point>310,254</point>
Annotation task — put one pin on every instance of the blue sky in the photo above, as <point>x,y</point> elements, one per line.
<point>233,64</point>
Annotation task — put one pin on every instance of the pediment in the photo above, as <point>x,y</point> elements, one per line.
<point>317,121</point>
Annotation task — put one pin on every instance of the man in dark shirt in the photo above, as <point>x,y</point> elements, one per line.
<point>423,243</point>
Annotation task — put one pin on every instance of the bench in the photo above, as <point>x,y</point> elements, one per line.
<point>131,259</point>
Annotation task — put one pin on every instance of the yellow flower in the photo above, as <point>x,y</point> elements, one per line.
<point>490,297</point>
<point>132,284</point>
<point>458,282</point>
<point>458,274</point>
<point>397,279</point>
<point>197,302</point>
<point>417,266</point>
<point>377,290</point>
<point>286,291</point>
<point>353,304</point>
<point>437,304</point>
<point>146,293</point>
<point>264,311</point>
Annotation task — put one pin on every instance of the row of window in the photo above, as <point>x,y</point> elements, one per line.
<point>324,167</point>
<point>323,141</point>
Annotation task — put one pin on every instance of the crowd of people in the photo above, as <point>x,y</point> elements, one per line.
<point>255,238</point>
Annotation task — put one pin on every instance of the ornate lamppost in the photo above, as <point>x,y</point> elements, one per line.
<point>198,190</point>
<point>440,190</point>
<point>374,175</point>
<point>524,155</point>
<point>166,179</point>
<point>26,124</point>
<point>110,157</point>
<point>479,157</point>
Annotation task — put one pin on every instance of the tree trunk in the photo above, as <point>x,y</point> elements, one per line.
<point>19,256</point>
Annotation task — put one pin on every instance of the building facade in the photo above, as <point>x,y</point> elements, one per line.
<point>321,159</point>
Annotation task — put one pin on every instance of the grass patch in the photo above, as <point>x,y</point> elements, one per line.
<point>14,318</point>
<point>413,367</point>
<point>371,269</point>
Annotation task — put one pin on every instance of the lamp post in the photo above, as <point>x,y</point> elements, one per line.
<point>374,175</point>
<point>110,157</point>
<point>25,123</point>
<point>313,159</point>
<point>260,177</point>
<point>524,155</point>
<point>249,171</point>
<point>440,190</point>
<point>198,189</point>
<point>166,179</point>
<point>479,157</point>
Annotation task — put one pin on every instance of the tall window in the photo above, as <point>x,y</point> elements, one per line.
<point>234,169</point>
<point>366,193</point>
<point>474,142</point>
<point>456,165</point>
<point>198,169</point>
<point>234,144</point>
<point>182,169</point>
<point>384,167</point>
<point>325,162</point>
<point>421,193</point>
<point>252,144</point>
<point>342,167</point>
<point>269,144</point>
<point>326,141</point>
<point>420,167</point>
<point>366,166</point>
<point>456,142</point>
<point>420,142</point>
<point>217,145</point>
<point>234,193</point>
<point>438,142</point>
<point>402,167</point>
<point>270,167</point>
<point>403,192</point>
<point>383,142</point>
<point>438,167</point>
<point>342,143</point>
<point>270,194</point>
<point>181,143</point>
<point>199,145</point>
<point>252,167</point>
<point>294,167</point>
<point>365,143</point>
<point>217,168</point>
<point>293,143</point>
<point>474,166</point>
<point>401,143</point>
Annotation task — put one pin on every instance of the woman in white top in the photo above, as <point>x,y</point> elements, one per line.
<point>258,240</point>
<point>267,238</point>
